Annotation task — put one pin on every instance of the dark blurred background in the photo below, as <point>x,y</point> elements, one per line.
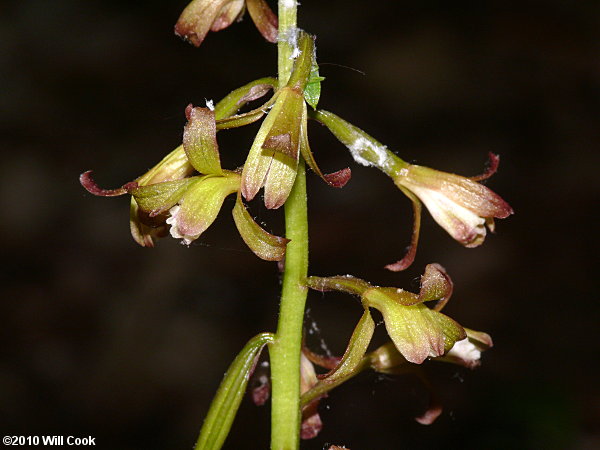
<point>101,337</point>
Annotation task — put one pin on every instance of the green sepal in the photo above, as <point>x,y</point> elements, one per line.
<point>273,158</point>
<point>351,363</point>
<point>417,331</point>
<point>343,283</point>
<point>160,197</point>
<point>200,141</point>
<point>172,167</point>
<point>235,100</point>
<point>224,406</point>
<point>202,202</point>
<point>283,135</point>
<point>264,245</point>
<point>241,120</point>
<point>379,295</point>
<point>312,91</point>
<point>337,179</point>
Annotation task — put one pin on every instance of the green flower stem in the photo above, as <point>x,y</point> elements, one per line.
<point>285,351</point>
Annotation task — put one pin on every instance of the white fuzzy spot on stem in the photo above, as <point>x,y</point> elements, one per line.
<point>362,150</point>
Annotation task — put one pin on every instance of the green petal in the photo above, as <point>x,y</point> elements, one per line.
<point>200,141</point>
<point>160,197</point>
<point>343,283</point>
<point>351,362</point>
<point>264,245</point>
<point>202,202</point>
<point>235,100</point>
<point>417,331</point>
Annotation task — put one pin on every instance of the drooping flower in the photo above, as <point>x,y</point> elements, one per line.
<point>418,332</point>
<point>460,205</point>
<point>202,16</point>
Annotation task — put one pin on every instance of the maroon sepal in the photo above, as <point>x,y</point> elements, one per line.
<point>409,257</point>
<point>311,421</point>
<point>490,169</point>
<point>90,185</point>
<point>338,179</point>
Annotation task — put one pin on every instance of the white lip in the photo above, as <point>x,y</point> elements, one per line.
<point>461,223</point>
<point>174,230</point>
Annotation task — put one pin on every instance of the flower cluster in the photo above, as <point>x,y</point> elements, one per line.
<point>183,194</point>
<point>169,198</point>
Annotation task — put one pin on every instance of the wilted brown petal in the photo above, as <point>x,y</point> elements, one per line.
<point>311,421</point>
